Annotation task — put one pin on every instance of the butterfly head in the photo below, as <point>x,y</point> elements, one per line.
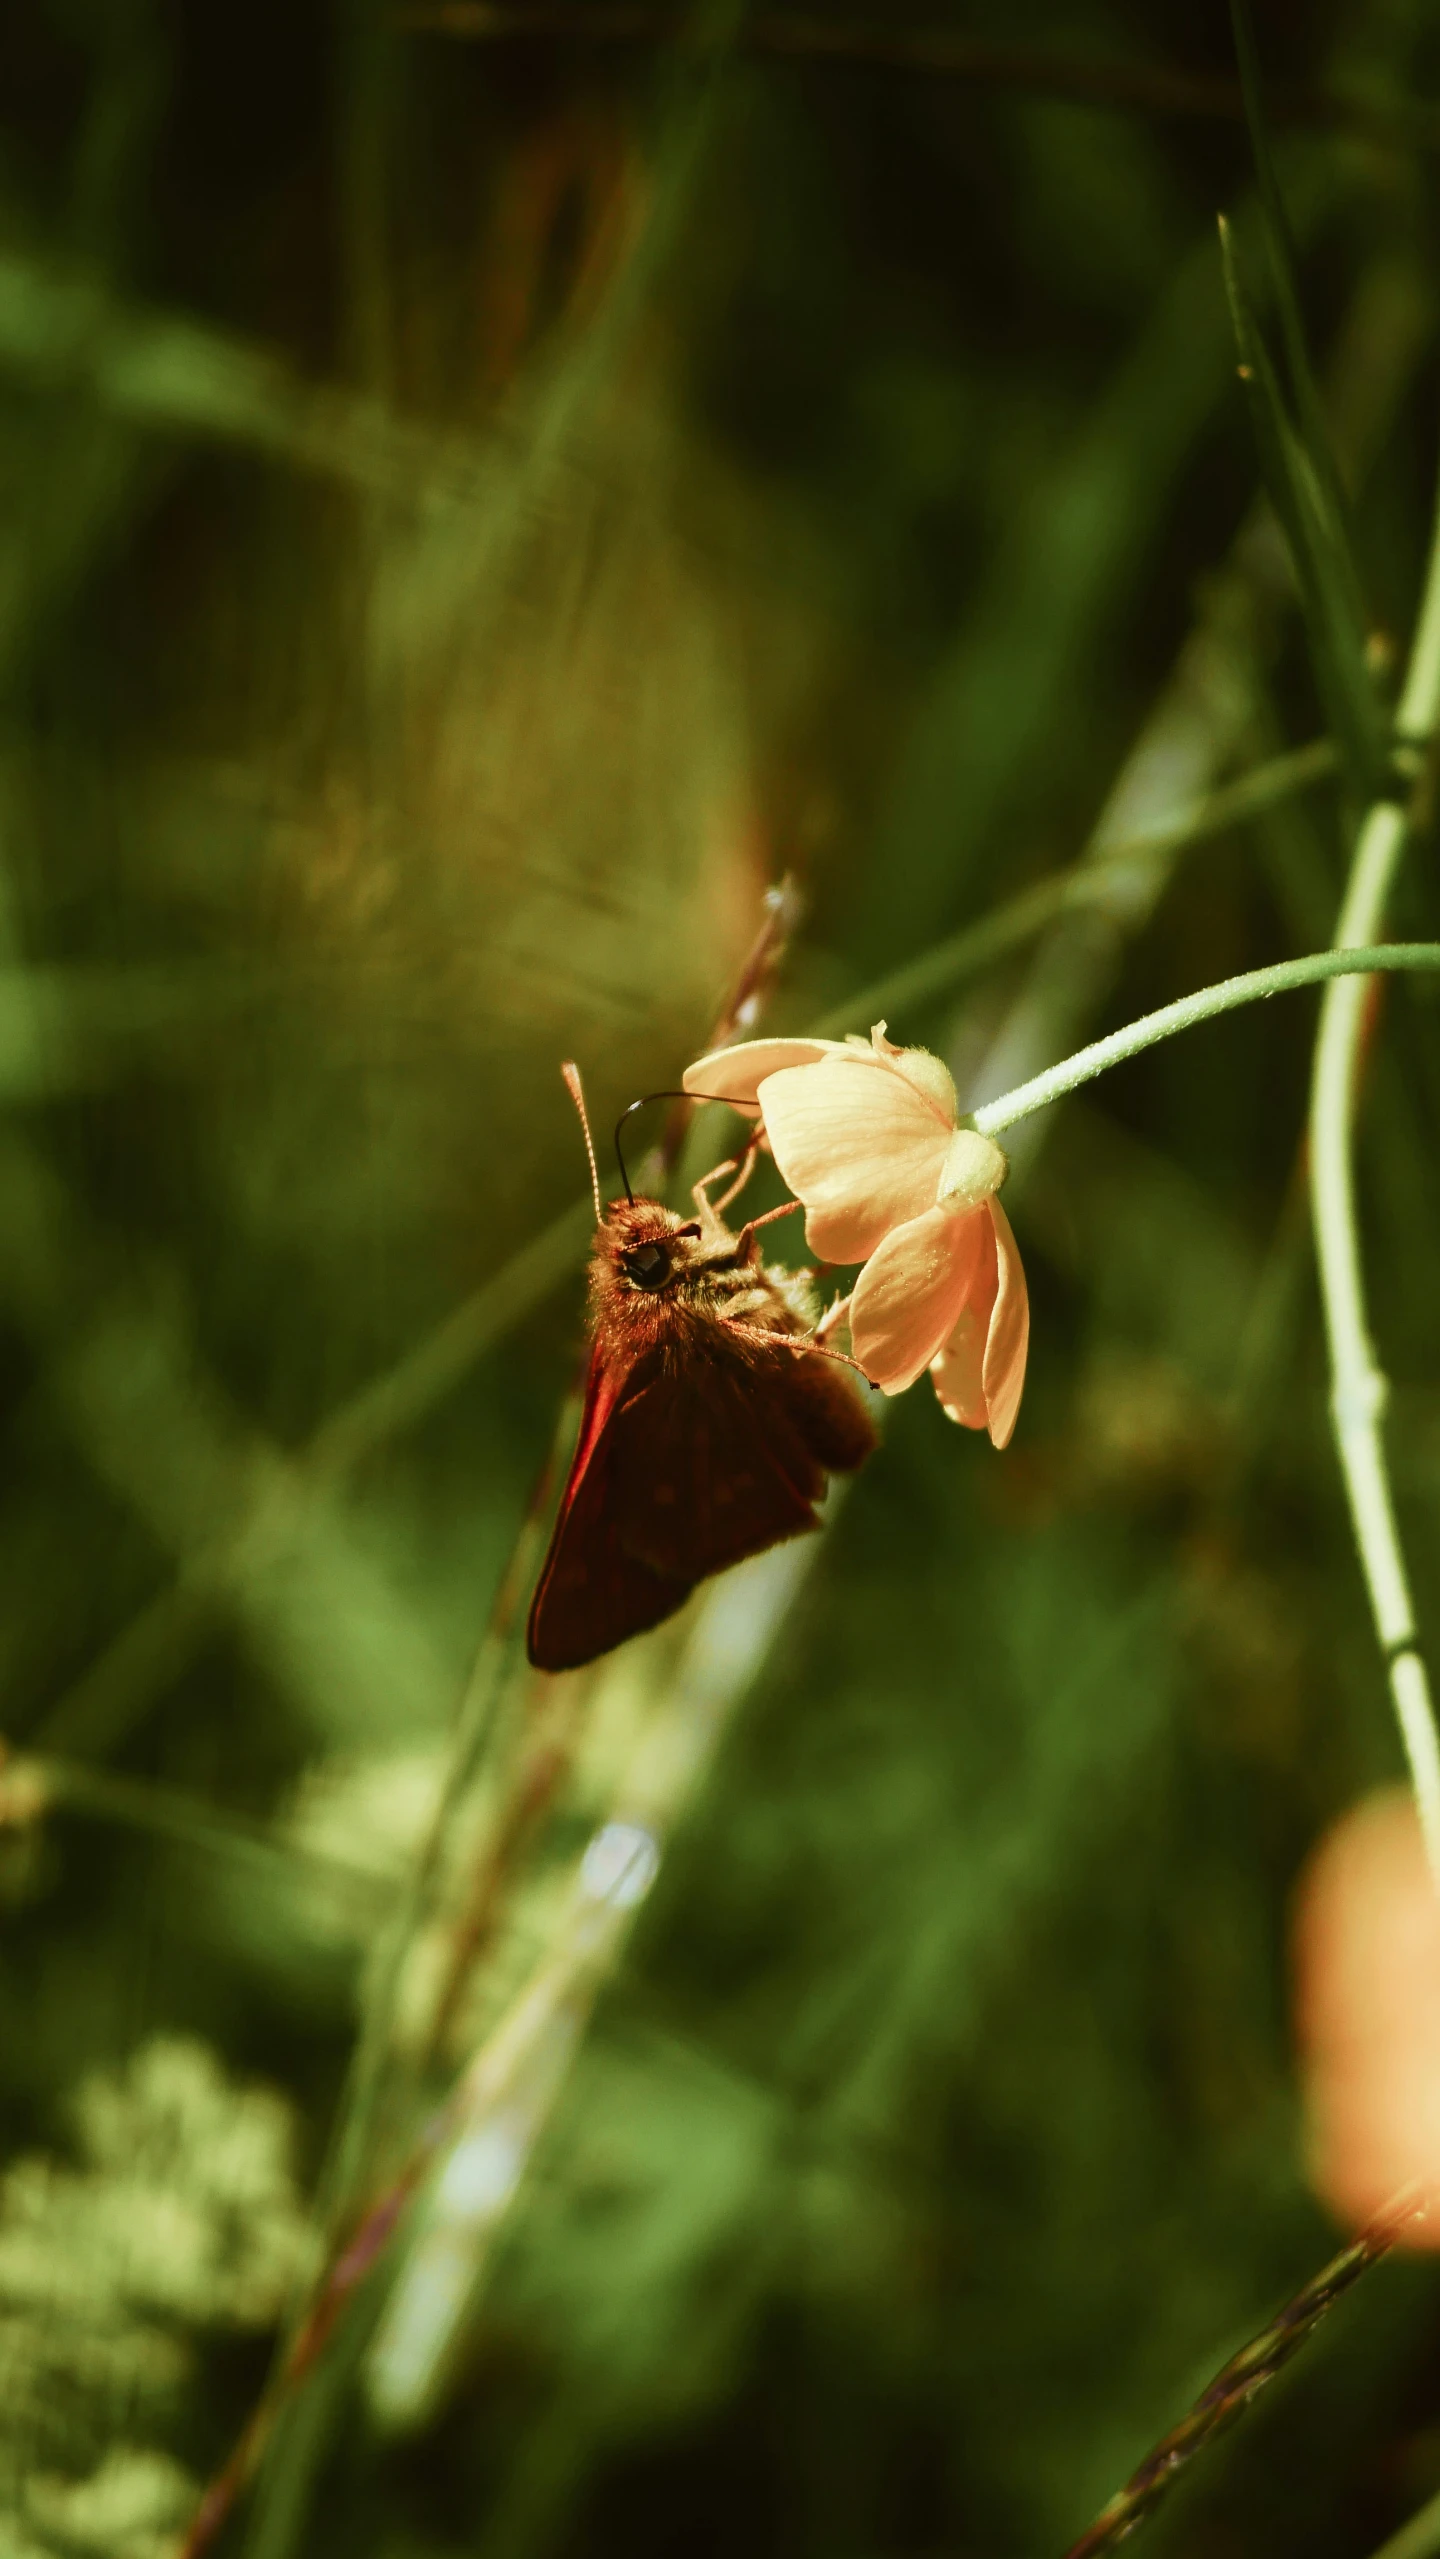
<point>649,1246</point>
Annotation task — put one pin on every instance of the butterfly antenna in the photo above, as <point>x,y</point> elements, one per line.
<point>571,1073</point>
<point>667,1093</point>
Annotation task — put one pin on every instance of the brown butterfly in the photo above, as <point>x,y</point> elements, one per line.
<point>712,1418</point>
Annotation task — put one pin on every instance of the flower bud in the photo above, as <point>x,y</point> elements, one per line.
<point>973,1171</point>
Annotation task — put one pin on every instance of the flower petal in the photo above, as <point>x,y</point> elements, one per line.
<point>980,1374</point>
<point>861,1147</point>
<point>909,1296</point>
<point>958,1370</point>
<point>1008,1339</point>
<point>929,1074</point>
<point>734,1074</point>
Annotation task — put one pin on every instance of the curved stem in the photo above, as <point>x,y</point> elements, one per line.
<point>1358,1385</point>
<point>1202,1006</point>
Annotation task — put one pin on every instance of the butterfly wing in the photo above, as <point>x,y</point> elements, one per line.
<point>708,1465</point>
<point>826,1412</point>
<point>591,1593</point>
<point>710,1449</point>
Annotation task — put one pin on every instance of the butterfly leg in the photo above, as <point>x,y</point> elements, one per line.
<point>741,1166</point>
<point>751,1228</point>
<point>822,1350</point>
<point>800,1343</point>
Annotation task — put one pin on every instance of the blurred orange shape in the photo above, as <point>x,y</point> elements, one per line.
<point>1367,1981</point>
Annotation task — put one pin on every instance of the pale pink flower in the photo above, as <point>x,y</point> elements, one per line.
<point>867,1135</point>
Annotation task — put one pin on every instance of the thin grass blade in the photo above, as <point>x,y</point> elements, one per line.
<point>1324,569</point>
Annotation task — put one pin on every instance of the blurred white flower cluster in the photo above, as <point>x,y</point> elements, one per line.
<point>181,2213</point>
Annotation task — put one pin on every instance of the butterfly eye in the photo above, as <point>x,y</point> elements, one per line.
<point>648,1265</point>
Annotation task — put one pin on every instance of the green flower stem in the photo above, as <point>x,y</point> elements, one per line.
<point>1358,1385</point>
<point>1207,1001</point>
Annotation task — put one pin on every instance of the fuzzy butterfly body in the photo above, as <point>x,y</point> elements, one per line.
<point>708,1430</point>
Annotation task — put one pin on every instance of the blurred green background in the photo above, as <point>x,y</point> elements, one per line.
<point>480,501</point>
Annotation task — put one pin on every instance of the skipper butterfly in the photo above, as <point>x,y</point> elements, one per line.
<point>713,1417</point>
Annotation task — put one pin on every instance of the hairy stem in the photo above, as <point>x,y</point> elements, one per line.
<point>1358,1385</point>
<point>1230,992</point>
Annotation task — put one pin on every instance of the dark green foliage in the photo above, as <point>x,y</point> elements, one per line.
<point>474,513</point>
